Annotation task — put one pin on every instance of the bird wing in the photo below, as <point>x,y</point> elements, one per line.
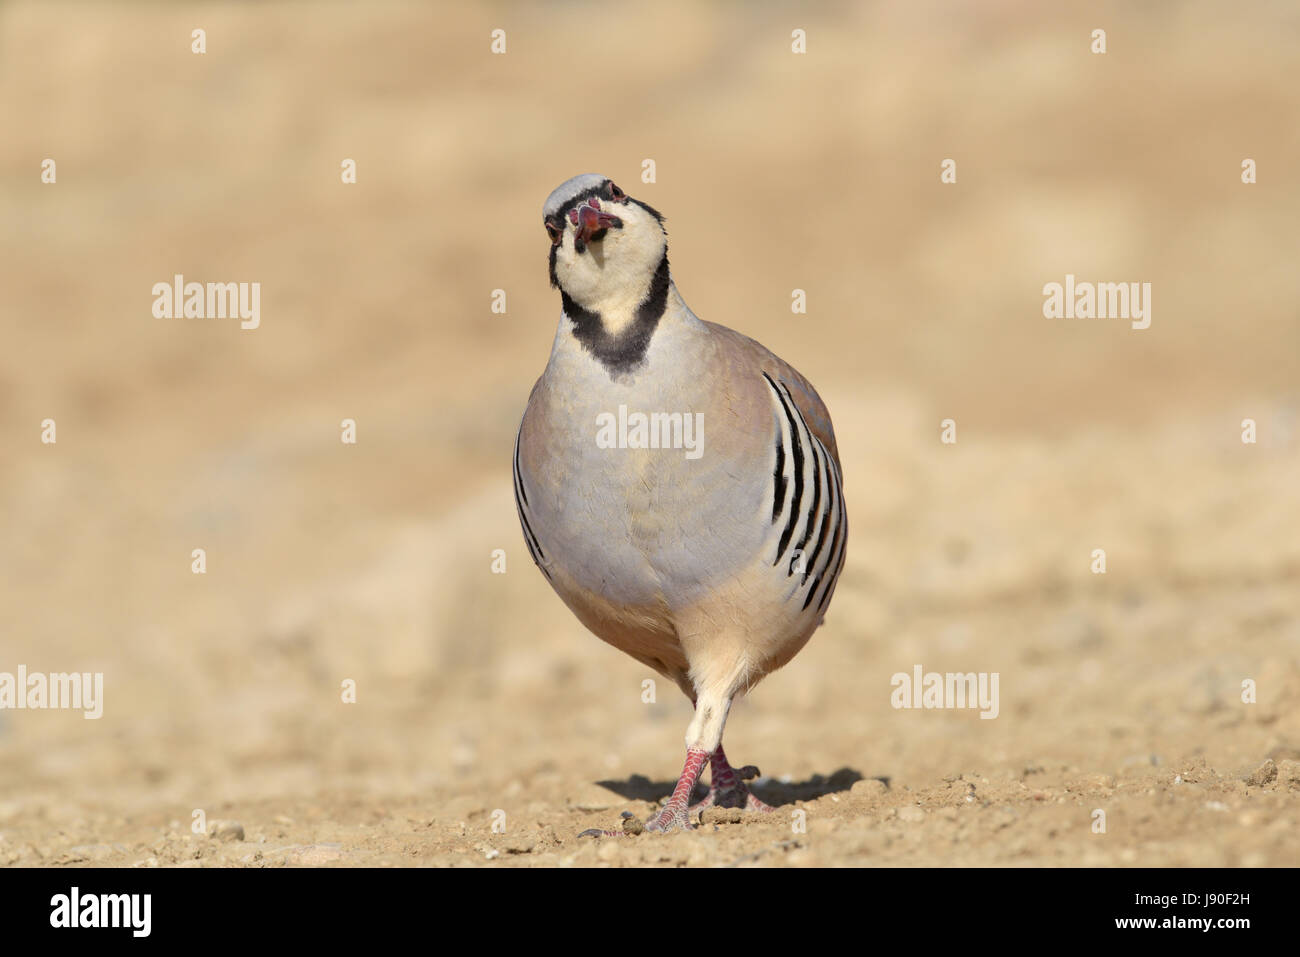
<point>755,355</point>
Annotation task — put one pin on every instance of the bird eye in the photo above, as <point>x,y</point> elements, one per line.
<point>555,232</point>
<point>616,194</point>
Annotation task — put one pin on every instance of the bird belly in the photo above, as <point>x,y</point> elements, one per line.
<point>682,581</point>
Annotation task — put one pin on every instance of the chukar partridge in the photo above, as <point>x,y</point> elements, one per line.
<point>677,483</point>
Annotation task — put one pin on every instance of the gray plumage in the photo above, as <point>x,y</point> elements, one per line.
<point>713,570</point>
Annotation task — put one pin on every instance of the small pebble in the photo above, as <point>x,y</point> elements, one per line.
<point>868,787</point>
<point>1263,775</point>
<point>225,830</point>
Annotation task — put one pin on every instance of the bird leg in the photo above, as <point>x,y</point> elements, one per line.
<point>674,815</point>
<point>727,786</point>
<point>703,743</point>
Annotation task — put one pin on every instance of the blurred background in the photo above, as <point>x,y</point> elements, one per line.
<point>372,562</point>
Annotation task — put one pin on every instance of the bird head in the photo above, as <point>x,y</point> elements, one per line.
<point>605,246</point>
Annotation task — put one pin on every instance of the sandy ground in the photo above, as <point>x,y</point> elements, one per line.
<point>489,728</point>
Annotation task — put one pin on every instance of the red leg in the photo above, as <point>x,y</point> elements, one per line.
<point>674,813</point>
<point>727,785</point>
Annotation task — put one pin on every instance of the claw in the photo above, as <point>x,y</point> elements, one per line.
<point>728,786</point>
<point>632,827</point>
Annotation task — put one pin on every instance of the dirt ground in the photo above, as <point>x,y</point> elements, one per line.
<point>489,728</point>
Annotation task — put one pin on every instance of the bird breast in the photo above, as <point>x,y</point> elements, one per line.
<point>644,494</point>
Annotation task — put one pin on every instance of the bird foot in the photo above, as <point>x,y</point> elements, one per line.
<point>728,789</point>
<point>669,819</point>
<point>675,815</point>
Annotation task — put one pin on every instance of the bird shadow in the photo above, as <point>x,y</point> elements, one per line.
<point>638,787</point>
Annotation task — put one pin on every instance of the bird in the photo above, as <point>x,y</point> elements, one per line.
<point>677,484</point>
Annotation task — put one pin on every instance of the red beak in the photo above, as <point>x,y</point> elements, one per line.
<point>589,221</point>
